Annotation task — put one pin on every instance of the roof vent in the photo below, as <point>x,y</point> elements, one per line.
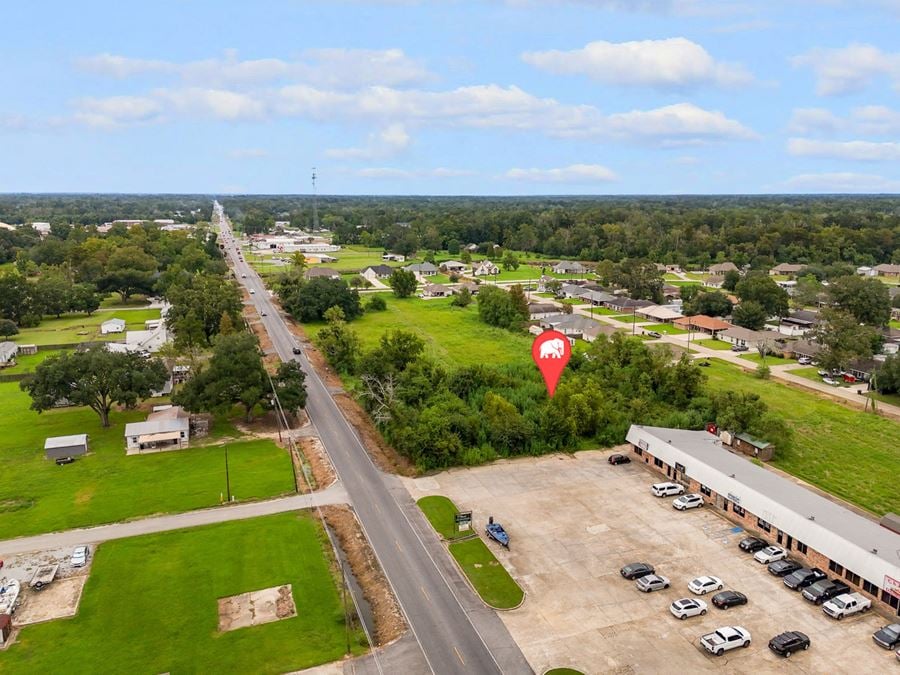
<point>811,517</point>
<point>874,550</point>
<point>731,475</point>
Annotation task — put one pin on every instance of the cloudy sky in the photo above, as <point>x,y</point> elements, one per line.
<point>451,96</point>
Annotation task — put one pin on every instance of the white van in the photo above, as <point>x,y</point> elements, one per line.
<point>666,489</point>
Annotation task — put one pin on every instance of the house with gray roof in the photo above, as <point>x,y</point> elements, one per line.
<point>167,429</point>
<point>425,269</point>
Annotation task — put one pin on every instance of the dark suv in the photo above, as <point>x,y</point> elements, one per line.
<point>783,567</point>
<point>636,570</point>
<point>789,642</point>
<point>825,590</point>
<point>752,544</point>
<point>804,577</point>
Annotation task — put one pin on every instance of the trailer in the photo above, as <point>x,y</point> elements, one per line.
<point>43,576</point>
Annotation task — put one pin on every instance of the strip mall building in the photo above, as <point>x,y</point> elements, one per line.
<point>817,531</point>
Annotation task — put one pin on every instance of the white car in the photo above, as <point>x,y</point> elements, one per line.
<point>770,554</point>
<point>691,501</point>
<point>828,380</point>
<point>252,292</point>
<point>727,637</point>
<point>79,556</point>
<point>667,489</point>
<point>804,360</point>
<point>686,607</point>
<point>651,582</point>
<point>703,585</point>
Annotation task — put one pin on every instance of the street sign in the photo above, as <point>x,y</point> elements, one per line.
<point>463,521</point>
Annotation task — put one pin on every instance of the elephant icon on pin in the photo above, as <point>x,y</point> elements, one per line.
<point>553,349</point>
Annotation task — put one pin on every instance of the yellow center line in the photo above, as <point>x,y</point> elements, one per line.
<point>461,659</point>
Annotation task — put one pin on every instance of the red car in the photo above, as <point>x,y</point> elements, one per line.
<point>618,459</point>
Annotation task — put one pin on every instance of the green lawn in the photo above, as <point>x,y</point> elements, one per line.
<point>151,605</point>
<point>106,485</point>
<point>75,328</point>
<point>770,359</point>
<point>852,454</point>
<point>626,318</point>
<point>452,335</point>
<point>28,362</point>
<point>487,575</point>
<point>812,373</point>
<point>894,324</point>
<point>440,512</point>
<point>714,344</point>
<point>665,329</point>
<point>605,311</point>
<point>113,301</point>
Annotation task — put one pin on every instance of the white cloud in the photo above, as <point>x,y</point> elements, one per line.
<point>849,69</point>
<point>334,68</point>
<point>391,173</point>
<point>875,120</point>
<point>878,120</point>
<point>814,120</point>
<point>248,153</point>
<point>118,111</point>
<point>671,63</point>
<point>681,122</point>
<point>388,142</point>
<point>576,173</point>
<point>842,182</point>
<point>847,150</point>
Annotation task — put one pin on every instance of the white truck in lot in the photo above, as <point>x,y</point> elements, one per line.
<point>725,638</point>
<point>846,604</point>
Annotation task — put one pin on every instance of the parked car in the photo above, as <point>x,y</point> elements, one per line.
<point>752,544</point>
<point>652,582</point>
<point>653,333</point>
<point>727,599</point>
<point>846,604</point>
<point>686,607</point>
<point>703,585</point>
<point>769,555</point>
<point>705,364</point>
<point>667,489</point>
<point>252,292</point>
<point>60,461</point>
<point>789,642</point>
<point>636,570</point>
<point>783,567</point>
<point>243,276</point>
<point>263,314</point>
<point>825,590</point>
<point>296,350</point>
<point>804,360</point>
<point>79,556</point>
<point>828,380</point>
<point>618,459</point>
<point>888,637</point>
<point>727,637</point>
<point>804,577</point>
<point>684,502</point>
<point>740,348</point>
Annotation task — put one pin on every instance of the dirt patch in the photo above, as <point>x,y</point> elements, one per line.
<point>256,607</point>
<point>389,623</point>
<point>57,600</point>
<point>322,471</point>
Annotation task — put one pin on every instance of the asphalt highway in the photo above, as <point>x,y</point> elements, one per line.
<point>439,617</point>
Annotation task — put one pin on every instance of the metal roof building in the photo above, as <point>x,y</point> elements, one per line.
<point>66,446</point>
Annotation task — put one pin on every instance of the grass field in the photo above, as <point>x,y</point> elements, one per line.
<point>28,362</point>
<point>106,485</point>
<point>440,512</point>
<point>771,360</point>
<point>812,373</point>
<point>150,605</point>
<point>452,335</point>
<point>849,453</point>
<point>113,301</point>
<point>487,575</point>
<point>665,329</point>
<point>71,329</point>
<point>894,324</point>
<point>714,344</point>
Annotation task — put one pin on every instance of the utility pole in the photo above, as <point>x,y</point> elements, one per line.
<point>227,477</point>
<point>315,201</point>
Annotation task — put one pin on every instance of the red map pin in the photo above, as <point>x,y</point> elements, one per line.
<point>551,351</point>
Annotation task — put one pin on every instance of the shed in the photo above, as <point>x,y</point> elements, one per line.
<point>8,351</point>
<point>112,326</point>
<point>28,350</point>
<point>66,446</point>
<point>754,447</point>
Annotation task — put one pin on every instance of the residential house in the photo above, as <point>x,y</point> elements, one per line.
<point>570,325</point>
<point>866,271</point>
<point>470,285</point>
<point>658,313</point>
<point>885,270</point>
<point>541,310</point>
<point>596,298</point>
<point>546,283</point>
<point>570,291</point>
<point>322,272</point>
<point>569,267</point>
<point>180,374</point>
<point>8,351</point>
<point>671,292</point>
<point>112,326</point>
<point>753,339</point>
<point>627,305</point>
<point>721,268</point>
<point>58,447</point>
<point>798,323</point>
<point>376,272</point>
<point>862,369</point>
<point>591,333</point>
<point>42,229</point>
<point>472,248</point>
<point>168,429</point>
<point>786,269</point>
<point>393,257</point>
<point>146,340</point>
<point>425,269</point>
<point>802,348</point>
<point>484,268</point>
<point>714,281</point>
<point>436,291</point>
<point>452,267</point>
<point>702,324</point>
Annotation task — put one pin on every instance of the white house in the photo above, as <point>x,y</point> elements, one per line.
<point>866,271</point>
<point>146,340</point>
<point>376,272</point>
<point>8,351</point>
<point>436,291</point>
<point>425,269</point>
<point>484,268</point>
<point>167,429</point>
<point>453,266</point>
<point>569,267</point>
<point>112,326</point>
<point>393,257</point>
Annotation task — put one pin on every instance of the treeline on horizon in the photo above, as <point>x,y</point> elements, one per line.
<point>96,209</point>
<point>689,230</point>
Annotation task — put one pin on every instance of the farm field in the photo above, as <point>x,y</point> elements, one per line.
<point>38,496</point>
<point>452,335</point>
<point>72,329</point>
<point>828,438</point>
<point>172,581</point>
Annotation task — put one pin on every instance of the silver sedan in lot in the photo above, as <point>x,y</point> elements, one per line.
<point>651,582</point>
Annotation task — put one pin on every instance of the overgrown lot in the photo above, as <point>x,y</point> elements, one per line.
<point>75,328</point>
<point>150,605</point>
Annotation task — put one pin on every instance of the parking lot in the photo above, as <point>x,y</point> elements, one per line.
<point>574,521</point>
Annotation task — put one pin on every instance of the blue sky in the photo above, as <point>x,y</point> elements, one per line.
<point>451,97</point>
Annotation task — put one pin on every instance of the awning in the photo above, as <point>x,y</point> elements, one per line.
<point>156,438</point>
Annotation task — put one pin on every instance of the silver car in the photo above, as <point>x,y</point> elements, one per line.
<point>651,582</point>
<point>79,556</point>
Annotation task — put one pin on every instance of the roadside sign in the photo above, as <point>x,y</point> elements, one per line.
<point>463,521</point>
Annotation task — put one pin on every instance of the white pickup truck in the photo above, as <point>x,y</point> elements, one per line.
<point>846,604</point>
